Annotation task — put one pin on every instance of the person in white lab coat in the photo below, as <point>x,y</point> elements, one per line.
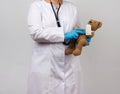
<point>51,71</point>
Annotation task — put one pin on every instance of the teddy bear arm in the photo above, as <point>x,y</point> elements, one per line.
<point>81,42</point>
<point>92,35</point>
<point>71,47</point>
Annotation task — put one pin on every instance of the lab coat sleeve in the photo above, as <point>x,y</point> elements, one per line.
<point>37,32</point>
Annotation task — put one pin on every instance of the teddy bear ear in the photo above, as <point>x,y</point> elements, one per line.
<point>90,21</point>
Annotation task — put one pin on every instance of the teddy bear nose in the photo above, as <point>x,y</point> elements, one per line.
<point>99,24</point>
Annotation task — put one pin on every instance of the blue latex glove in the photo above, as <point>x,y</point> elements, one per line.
<point>73,34</point>
<point>70,35</point>
<point>88,40</point>
<point>79,31</point>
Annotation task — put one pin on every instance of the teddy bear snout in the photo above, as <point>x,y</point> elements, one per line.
<point>99,24</point>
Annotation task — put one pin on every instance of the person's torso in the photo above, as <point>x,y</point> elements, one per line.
<point>66,17</point>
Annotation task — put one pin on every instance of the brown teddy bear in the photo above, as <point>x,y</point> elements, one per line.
<point>92,26</point>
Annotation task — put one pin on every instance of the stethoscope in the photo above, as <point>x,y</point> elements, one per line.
<point>56,14</point>
<point>57,19</point>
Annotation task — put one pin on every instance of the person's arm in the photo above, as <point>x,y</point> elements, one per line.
<point>37,32</point>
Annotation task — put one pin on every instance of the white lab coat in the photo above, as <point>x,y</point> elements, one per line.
<point>51,71</point>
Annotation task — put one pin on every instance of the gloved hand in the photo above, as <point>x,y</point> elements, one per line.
<point>73,34</point>
<point>88,40</point>
<point>79,31</point>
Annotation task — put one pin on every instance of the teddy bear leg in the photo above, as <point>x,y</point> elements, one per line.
<point>71,47</point>
<point>81,42</point>
<point>77,51</point>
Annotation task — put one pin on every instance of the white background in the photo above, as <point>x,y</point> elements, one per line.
<point>100,61</point>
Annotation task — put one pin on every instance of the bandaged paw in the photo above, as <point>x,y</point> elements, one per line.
<point>88,29</point>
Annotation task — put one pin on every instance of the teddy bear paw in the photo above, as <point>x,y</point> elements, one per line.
<point>69,51</point>
<point>76,52</point>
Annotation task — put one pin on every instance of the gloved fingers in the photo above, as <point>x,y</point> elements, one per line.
<point>75,36</point>
<point>79,31</point>
<point>70,35</point>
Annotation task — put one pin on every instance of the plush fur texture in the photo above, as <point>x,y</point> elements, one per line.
<point>81,41</point>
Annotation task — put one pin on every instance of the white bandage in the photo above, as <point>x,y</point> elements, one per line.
<point>88,29</point>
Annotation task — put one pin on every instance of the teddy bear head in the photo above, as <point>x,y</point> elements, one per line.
<point>95,24</point>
